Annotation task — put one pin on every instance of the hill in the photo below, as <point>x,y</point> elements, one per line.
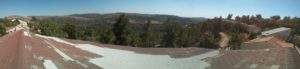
<point>104,20</point>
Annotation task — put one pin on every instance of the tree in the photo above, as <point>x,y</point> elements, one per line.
<point>275,19</point>
<point>147,36</point>
<point>286,19</point>
<point>186,37</point>
<point>70,30</point>
<point>208,40</point>
<point>252,20</point>
<point>229,16</point>
<point>121,30</point>
<point>235,41</point>
<point>106,36</point>
<point>171,30</point>
<point>296,30</point>
<point>135,39</point>
<point>50,29</point>
<point>238,18</point>
<point>2,29</point>
<point>259,17</point>
<point>245,19</point>
<point>34,18</point>
<point>8,23</point>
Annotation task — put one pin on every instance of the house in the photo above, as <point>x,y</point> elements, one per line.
<point>265,43</point>
<point>10,29</point>
<point>282,33</point>
<point>13,18</point>
<point>22,25</point>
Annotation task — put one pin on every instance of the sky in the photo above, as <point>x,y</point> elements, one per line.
<point>184,8</point>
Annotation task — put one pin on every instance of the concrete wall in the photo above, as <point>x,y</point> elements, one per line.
<point>284,35</point>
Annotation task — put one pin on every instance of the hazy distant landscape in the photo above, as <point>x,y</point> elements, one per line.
<point>102,20</point>
<point>148,30</point>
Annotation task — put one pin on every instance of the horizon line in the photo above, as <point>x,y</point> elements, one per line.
<point>233,15</point>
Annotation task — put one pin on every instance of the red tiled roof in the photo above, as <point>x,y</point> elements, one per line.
<point>10,27</point>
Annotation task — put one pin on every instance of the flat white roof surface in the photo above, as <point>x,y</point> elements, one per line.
<point>121,59</point>
<point>48,64</point>
<point>274,31</point>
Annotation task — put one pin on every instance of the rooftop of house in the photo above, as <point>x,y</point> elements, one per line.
<point>269,32</point>
<point>10,27</point>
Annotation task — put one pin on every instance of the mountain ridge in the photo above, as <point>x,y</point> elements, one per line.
<point>96,20</point>
<point>134,17</point>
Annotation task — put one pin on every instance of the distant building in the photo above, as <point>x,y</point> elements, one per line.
<point>13,18</point>
<point>10,29</point>
<point>265,43</point>
<point>282,33</point>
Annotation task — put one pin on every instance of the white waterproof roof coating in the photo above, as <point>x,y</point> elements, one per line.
<point>48,64</point>
<point>121,59</point>
<point>274,31</point>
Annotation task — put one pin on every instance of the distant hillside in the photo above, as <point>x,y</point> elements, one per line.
<point>141,18</point>
<point>102,20</point>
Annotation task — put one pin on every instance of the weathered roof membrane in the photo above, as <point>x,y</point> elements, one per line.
<point>269,32</point>
<point>89,55</point>
<point>275,58</point>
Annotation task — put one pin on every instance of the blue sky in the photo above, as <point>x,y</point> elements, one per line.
<point>185,8</point>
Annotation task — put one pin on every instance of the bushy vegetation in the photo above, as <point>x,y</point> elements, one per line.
<point>170,34</point>
<point>6,23</point>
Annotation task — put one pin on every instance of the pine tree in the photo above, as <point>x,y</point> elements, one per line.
<point>50,28</point>
<point>229,17</point>
<point>147,36</point>
<point>2,29</point>
<point>71,31</point>
<point>121,30</point>
<point>106,36</point>
<point>171,31</point>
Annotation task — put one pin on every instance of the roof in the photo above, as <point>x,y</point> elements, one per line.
<point>269,32</point>
<point>25,50</point>
<point>260,39</point>
<point>281,43</point>
<point>10,27</point>
<point>276,58</point>
<point>271,39</point>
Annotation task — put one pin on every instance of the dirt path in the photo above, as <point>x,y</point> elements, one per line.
<point>224,40</point>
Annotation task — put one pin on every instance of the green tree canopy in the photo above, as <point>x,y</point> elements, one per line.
<point>121,30</point>
<point>70,30</point>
